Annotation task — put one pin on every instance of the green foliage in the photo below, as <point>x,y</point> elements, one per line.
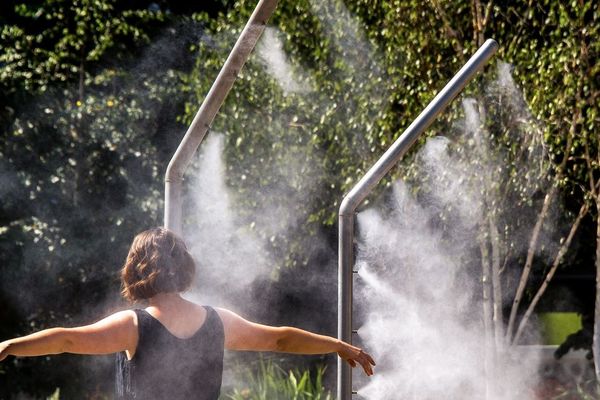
<point>272,382</point>
<point>56,41</point>
<point>81,160</point>
<point>561,81</point>
<point>371,67</point>
<point>86,130</point>
<point>85,177</point>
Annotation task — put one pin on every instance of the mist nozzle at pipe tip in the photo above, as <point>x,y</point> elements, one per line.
<point>491,43</point>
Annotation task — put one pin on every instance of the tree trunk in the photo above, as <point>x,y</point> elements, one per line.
<point>596,342</point>
<point>529,261</point>
<point>496,284</point>
<point>537,228</point>
<point>557,260</point>
<point>490,348</point>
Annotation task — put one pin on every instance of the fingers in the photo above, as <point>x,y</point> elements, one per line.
<point>368,370</point>
<point>369,358</point>
<point>355,355</point>
<point>366,365</point>
<point>365,361</point>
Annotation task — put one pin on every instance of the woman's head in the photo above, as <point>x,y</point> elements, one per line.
<point>158,262</point>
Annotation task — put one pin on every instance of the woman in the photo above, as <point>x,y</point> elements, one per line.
<point>173,348</point>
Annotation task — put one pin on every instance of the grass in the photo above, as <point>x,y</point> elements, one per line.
<point>271,382</point>
<point>556,326</point>
<point>588,390</point>
<point>268,381</point>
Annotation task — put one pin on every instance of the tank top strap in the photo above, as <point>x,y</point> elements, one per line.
<point>144,320</point>
<point>149,327</point>
<point>211,313</point>
<point>213,322</point>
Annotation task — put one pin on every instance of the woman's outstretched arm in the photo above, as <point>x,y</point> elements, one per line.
<point>241,334</point>
<point>115,333</point>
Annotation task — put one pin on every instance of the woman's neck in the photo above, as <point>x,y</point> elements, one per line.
<point>165,300</point>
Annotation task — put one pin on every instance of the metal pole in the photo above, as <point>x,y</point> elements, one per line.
<point>345,287</point>
<point>370,180</point>
<point>205,115</point>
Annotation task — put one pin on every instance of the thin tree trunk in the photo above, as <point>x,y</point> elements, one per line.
<point>451,34</point>
<point>557,260</point>
<point>489,350</point>
<point>596,340</point>
<point>477,17</point>
<point>480,20</point>
<point>594,189</point>
<point>529,260</point>
<point>536,231</point>
<point>496,284</point>
<point>487,292</point>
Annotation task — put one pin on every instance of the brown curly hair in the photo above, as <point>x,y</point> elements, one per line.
<point>158,262</point>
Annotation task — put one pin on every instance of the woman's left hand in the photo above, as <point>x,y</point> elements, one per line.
<point>353,355</point>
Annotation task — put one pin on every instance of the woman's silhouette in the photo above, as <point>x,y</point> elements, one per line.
<point>172,349</point>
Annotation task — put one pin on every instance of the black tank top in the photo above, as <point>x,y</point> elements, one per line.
<point>167,367</point>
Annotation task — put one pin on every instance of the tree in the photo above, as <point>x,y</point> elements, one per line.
<point>84,127</point>
<point>348,112</point>
<point>86,132</point>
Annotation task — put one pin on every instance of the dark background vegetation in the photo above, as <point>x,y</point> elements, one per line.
<point>96,94</point>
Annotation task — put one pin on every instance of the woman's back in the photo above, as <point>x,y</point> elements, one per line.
<point>165,366</point>
<point>175,346</point>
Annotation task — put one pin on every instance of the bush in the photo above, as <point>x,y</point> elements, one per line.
<point>271,381</point>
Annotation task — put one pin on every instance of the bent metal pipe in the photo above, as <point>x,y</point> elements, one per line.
<point>366,185</point>
<point>209,109</point>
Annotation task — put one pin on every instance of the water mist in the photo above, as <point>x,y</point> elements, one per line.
<point>270,49</point>
<point>229,255</point>
<point>419,291</point>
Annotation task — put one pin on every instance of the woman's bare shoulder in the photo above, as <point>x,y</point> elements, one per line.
<point>122,317</point>
<point>226,314</point>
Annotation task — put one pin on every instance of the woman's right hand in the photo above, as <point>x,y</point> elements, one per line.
<point>352,355</point>
<point>4,350</point>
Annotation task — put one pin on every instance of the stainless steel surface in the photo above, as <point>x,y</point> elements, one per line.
<point>367,184</point>
<point>209,108</point>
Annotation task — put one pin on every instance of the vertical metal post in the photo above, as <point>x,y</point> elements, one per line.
<point>205,115</point>
<point>367,184</point>
<point>345,287</point>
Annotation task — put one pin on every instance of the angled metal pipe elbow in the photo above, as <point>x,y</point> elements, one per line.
<point>209,108</point>
<point>366,185</point>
